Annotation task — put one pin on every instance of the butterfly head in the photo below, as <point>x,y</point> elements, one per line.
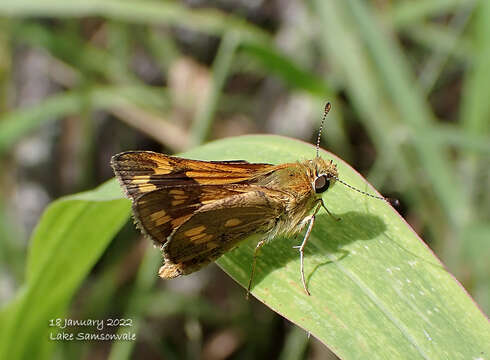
<point>324,174</point>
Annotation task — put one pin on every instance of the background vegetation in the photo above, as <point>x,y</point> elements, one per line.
<point>82,80</point>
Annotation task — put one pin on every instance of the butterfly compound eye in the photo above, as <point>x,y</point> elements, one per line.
<point>321,183</point>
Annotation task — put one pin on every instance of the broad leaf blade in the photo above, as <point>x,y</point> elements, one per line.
<point>376,287</point>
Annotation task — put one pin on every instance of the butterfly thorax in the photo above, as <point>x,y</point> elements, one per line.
<point>295,184</point>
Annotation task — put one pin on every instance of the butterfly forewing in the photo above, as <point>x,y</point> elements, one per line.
<point>141,172</point>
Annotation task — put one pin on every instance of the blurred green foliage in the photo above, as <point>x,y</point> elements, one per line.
<point>82,80</point>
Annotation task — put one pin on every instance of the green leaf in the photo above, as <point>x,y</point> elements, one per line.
<point>375,286</point>
<point>70,237</point>
<point>377,290</point>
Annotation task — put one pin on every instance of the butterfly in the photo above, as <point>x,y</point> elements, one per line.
<point>198,210</point>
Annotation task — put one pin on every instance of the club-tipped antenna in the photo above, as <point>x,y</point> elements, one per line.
<point>393,202</point>
<point>328,106</point>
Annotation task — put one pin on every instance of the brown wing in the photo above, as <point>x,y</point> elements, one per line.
<point>159,212</point>
<point>217,228</point>
<point>144,171</point>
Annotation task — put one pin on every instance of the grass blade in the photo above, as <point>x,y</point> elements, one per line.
<point>70,237</point>
<point>221,68</point>
<point>141,12</point>
<point>376,288</point>
<point>19,123</point>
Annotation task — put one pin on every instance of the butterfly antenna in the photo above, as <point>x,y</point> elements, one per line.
<point>328,106</point>
<point>393,202</point>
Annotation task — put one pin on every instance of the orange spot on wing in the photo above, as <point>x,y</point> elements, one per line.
<point>195,231</point>
<point>196,238</point>
<point>233,222</point>
<point>158,214</point>
<point>160,218</point>
<point>215,178</point>
<point>179,221</point>
<point>201,238</point>
<point>180,197</point>
<point>176,192</point>
<point>163,220</point>
<point>146,187</point>
<point>162,170</point>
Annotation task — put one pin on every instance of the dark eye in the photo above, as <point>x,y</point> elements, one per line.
<point>321,184</point>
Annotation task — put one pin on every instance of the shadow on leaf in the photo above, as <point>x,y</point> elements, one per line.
<point>328,235</point>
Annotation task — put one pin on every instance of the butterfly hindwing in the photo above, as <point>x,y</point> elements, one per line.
<point>160,212</point>
<point>216,228</point>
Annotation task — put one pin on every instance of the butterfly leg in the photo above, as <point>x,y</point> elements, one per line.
<point>301,252</point>
<point>303,245</point>
<point>256,252</point>
<point>328,211</point>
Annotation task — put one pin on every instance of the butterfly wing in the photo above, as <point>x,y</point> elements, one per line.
<point>158,213</point>
<point>141,172</point>
<point>197,209</point>
<point>218,227</point>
